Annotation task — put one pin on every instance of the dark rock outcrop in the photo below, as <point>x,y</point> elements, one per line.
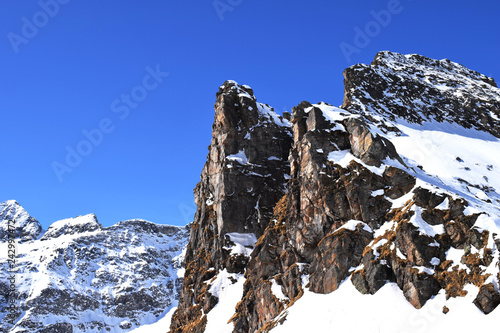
<point>241,182</point>
<point>418,89</point>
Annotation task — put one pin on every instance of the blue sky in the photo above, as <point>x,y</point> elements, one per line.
<point>129,86</point>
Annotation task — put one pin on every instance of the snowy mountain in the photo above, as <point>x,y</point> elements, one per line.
<point>388,220</point>
<point>380,215</point>
<point>26,228</point>
<point>81,277</point>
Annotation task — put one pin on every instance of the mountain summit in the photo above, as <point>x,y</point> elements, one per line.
<point>393,197</point>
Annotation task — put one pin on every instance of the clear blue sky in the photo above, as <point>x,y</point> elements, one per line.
<point>83,67</point>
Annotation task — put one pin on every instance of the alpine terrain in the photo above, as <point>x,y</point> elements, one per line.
<point>80,277</point>
<point>380,215</point>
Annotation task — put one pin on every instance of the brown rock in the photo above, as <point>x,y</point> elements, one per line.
<point>487,299</point>
<point>336,254</point>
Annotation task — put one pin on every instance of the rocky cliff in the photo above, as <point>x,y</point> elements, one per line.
<point>244,177</point>
<point>398,186</point>
<point>81,277</point>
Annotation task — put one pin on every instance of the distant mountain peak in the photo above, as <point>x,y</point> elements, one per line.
<point>82,277</point>
<point>26,227</point>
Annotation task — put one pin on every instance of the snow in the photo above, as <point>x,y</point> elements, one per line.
<point>332,113</point>
<point>80,220</point>
<point>435,261</point>
<point>352,224</point>
<point>376,245</point>
<point>424,227</point>
<point>423,269</point>
<point>455,255</point>
<point>348,311</point>
<point>103,264</point>
<point>266,111</point>
<point>239,157</point>
<point>161,326</point>
<point>341,157</point>
<point>229,294</point>
<point>445,158</point>
<point>377,193</point>
<point>244,243</point>
<point>444,205</point>
<point>12,210</point>
<point>400,254</point>
<point>277,291</point>
<point>436,146</point>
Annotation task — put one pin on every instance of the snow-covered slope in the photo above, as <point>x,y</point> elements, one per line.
<point>81,277</point>
<point>418,89</point>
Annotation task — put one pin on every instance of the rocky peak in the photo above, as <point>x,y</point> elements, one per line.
<point>147,227</point>
<point>358,210</point>
<point>26,227</point>
<point>249,148</point>
<point>72,226</point>
<point>244,176</point>
<point>417,89</point>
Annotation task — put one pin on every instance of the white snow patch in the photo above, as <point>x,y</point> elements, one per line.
<point>244,243</point>
<point>277,291</point>
<point>377,193</point>
<point>352,224</point>
<point>229,295</point>
<point>239,157</point>
<point>424,227</point>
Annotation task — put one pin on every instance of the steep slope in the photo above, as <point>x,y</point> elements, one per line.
<point>395,194</point>
<point>243,178</point>
<point>81,277</point>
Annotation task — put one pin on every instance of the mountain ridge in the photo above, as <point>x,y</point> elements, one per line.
<point>377,194</point>
<point>79,276</point>
<point>390,200</point>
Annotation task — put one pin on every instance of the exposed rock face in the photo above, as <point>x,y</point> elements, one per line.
<point>243,178</point>
<point>488,298</point>
<point>420,89</point>
<point>356,209</point>
<point>322,197</point>
<point>81,277</point>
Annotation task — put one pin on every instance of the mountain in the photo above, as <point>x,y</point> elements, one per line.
<point>81,277</point>
<point>378,215</point>
<point>26,227</point>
